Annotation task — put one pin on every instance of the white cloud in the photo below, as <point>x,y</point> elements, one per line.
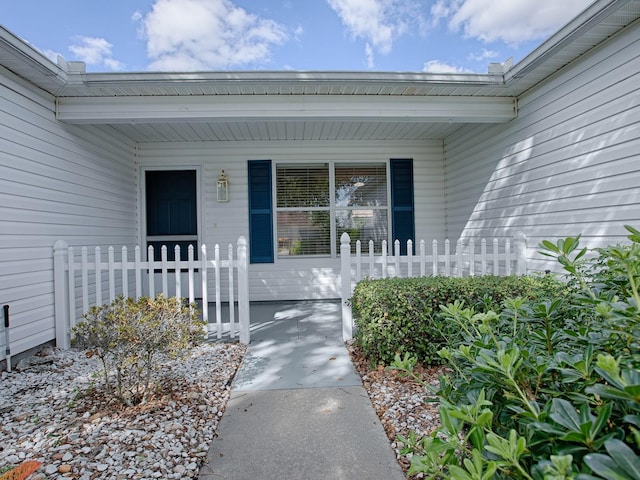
<point>436,66</point>
<point>95,51</point>
<point>379,22</point>
<point>51,54</point>
<point>483,55</point>
<point>371,63</point>
<point>510,21</point>
<point>207,34</point>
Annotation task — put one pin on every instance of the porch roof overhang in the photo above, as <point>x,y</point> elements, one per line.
<point>290,105</point>
<point>263,108</point>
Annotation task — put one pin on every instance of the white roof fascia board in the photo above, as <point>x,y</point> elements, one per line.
<point>32,58</point>
<point>284,77</point>
<point>296,107</point>
<point>577,27</point>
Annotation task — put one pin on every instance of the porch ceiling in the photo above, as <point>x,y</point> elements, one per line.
<point>238,106</point>
<point>307,130</point>
<point>284,117</point>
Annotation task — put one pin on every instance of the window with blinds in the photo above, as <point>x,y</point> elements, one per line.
<point>303,205</point>
<point>361,206</point>
<point>316,203</point>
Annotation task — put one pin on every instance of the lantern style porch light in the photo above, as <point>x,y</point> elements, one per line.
<point>223,187</point>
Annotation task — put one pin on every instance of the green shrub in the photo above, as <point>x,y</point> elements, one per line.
<point>547,388</point>
<point>402,315</point>
<point>130,336</point>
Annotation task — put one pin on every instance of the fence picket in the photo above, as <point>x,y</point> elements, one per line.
<point>68,272</point>
<point>459,258</point>
<point>205,298</point>
<point>164,268</point>
<point>177,271</point>
<point>447,258</point>
<point>359,264</point>
<point>384,259</point>
<point>472,257</point>
<point>216,275</point>
<point>232,310</point>
<point>455,264</point>
<point>190,258</point>
<point>98,277</point>
<point>72,287</point>
<point>85,279</point>
<point>111,274</point>
<point>138,272</point>
<point>124,259</point>
<point>483,256</point>
<point>152,269</point>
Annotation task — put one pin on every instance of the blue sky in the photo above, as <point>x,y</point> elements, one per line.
<point>334,35</point>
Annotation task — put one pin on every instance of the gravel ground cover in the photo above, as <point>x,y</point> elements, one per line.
<point>52,413</point>
<point>401,403</point>
<point>48,413</point>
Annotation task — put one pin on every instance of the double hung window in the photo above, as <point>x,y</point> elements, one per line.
<point>317,203</point>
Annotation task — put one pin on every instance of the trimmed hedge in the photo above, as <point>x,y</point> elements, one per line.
<point>402,315</point>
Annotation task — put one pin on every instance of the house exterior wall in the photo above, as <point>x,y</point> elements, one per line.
<point>56,182</point>
<point>223,223</point>
<point>569,164</point>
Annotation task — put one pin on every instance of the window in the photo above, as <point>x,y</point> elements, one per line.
<point>316,203</point>
<point>303,210</point>
<point>361,204</point>
<point>171,211</point>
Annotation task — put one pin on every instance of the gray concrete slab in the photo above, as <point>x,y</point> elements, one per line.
<point>297,408</point>
<point>288,364</point>
<point>302,434</point>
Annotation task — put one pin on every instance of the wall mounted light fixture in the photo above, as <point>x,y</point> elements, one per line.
<point>223,187</point>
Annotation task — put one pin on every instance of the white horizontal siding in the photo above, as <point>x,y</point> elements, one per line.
<point>568,165</point>
<point>223,223</point>
<point>56,182</point>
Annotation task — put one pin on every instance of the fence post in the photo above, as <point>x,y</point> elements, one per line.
<point>243,292</point>
<point>345,290</point>
<point>61,308</point>
<point>521,253</point>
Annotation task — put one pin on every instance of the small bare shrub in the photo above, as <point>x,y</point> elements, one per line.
<point>130,337</point>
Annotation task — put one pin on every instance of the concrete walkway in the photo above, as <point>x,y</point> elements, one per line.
<point>297,408</point>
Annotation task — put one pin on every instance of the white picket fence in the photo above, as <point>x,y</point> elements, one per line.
<point>84,280</point>
<point>469,258</point>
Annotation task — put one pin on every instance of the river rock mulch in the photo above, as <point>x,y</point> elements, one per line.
<point>52,413</point>
<point>401,403</point>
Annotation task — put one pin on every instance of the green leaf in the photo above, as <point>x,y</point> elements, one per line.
<point>565,414</point>
<point>601,420</point>
<point>624,457</point>
<point>606,467</point>
<point>632,419</point>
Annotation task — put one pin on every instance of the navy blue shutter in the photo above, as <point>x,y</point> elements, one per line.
<point>402,217</point>
<point>260,212</point>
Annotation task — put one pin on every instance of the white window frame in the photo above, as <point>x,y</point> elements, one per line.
<point>333,241</point>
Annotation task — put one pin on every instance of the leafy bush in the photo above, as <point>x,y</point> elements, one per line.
<point>129,337</point>
<point>402,315</point>
<point>547,388</point>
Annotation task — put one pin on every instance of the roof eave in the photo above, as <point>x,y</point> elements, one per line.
<point>578,26</point>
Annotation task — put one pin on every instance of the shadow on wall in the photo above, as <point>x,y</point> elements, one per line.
<point>560,182</point>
